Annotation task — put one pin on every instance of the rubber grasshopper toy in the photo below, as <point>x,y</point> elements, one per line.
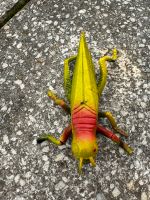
<point>83,94</point>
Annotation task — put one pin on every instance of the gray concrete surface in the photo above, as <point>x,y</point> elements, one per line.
<point>33,46</point>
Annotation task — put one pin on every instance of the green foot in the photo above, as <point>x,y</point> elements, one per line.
<point>50,138</point>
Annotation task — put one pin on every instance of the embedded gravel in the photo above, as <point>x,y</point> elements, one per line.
<point>33,46</point>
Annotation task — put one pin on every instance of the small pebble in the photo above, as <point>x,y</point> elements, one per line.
<point>44,157</point>
<point>17,177</point>
<point>115,192</point>
<point>82,11</point>
<point>144,196</point>
<point>19,45</point>
<point>60,185</point>
<point>4,65</point>
<point>100,196</point>
<point>5,139</point>
<point>59,157</point>
<point>22,182</point>
<point>130,185</point>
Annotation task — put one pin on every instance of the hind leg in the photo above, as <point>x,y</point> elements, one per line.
<point>109,134</point>
<point>103,70</point>
<point>113,123</point>
<point>67,80</point>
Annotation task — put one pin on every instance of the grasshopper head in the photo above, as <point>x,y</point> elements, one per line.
<point>85,150</point>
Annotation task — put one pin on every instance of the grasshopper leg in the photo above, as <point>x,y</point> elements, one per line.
<point>103,70</point>
<point>67,79</point>
<point>58,101</point>
<point>113,137</point>
<point>113,123</point>
<point>67,86</point>
<point>62,140</point>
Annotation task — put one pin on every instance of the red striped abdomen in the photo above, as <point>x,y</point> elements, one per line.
<point>84,121</point>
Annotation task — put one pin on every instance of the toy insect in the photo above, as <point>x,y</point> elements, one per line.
<point>83,94</point>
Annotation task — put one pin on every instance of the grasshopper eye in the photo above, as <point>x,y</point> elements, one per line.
<point>94,150</point>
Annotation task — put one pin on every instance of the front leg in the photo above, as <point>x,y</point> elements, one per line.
<point>62,140</point>
<point>113,123</point>
<point>58,101</point>
<point>113,137</point>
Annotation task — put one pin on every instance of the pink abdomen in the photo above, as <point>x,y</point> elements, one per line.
<point>84,119</point>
